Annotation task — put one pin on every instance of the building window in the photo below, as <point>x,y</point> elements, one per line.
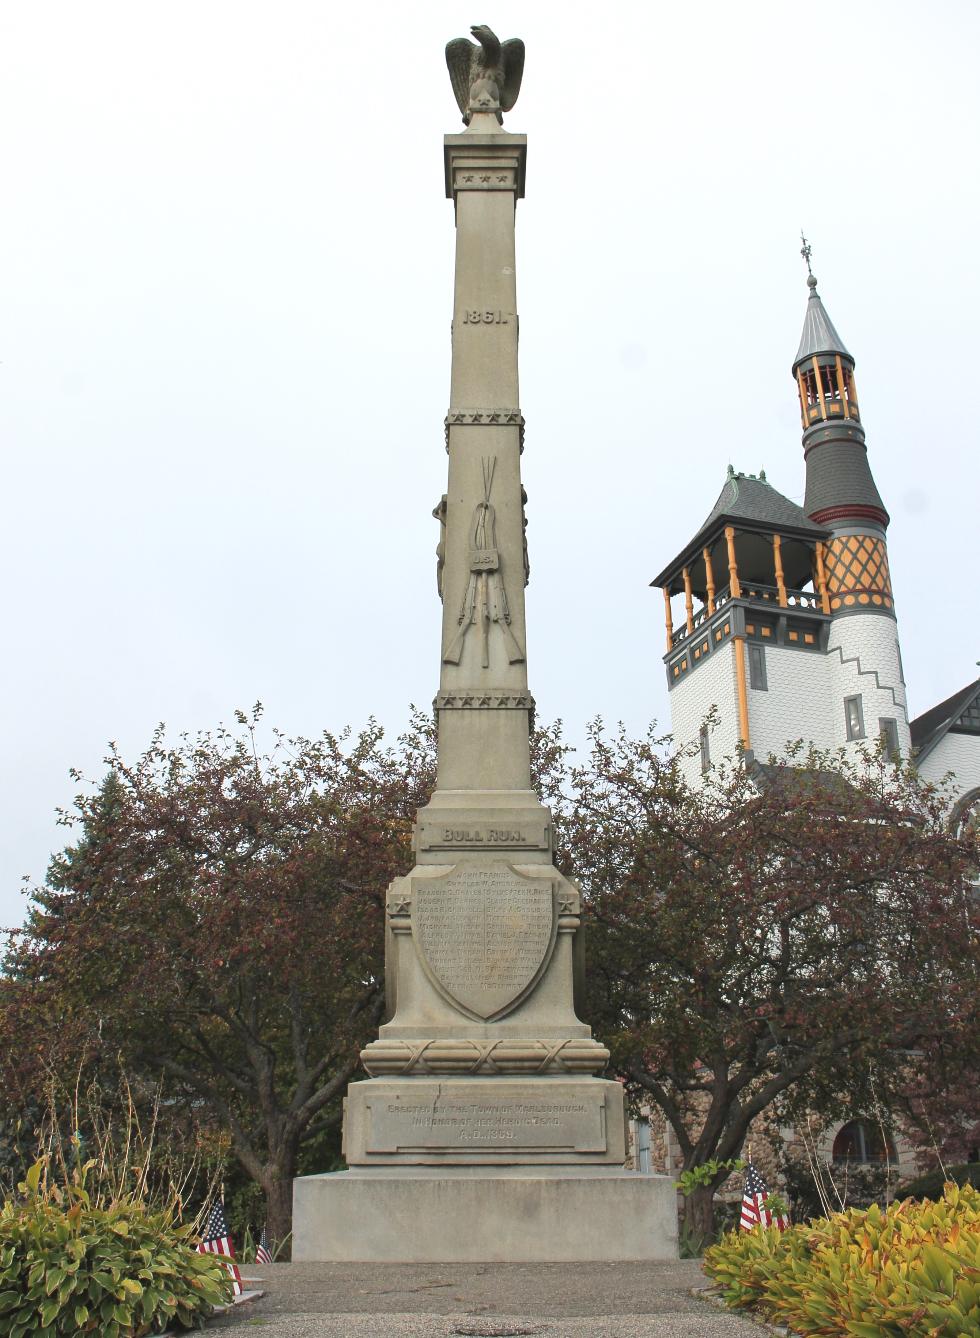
<point>757,668</point>
<point>705,749</point>
<point>854,717</point>
<point>888,730</point>
<point>863,1144</point>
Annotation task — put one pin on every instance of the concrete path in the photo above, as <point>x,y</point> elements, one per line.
<point>483,1301</point>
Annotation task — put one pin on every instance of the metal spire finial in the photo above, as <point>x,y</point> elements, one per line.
<point>806,252</point>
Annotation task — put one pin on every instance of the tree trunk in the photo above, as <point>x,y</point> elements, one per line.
<point>278,1186</point>
<point>698,1222</point>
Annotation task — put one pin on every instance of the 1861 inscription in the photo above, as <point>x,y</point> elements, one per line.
<point>484,933</point>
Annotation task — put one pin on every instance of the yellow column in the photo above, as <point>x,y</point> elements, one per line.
<point>743,696</point>
<point>816,373</point>
<point>732,564</point>
<point>670,620</point>
<point>780,579</point>
<point>822,579</point>
<point>710,580</point>
<point>688,600</point>
<point>804,407</point>
<point>840,387</point>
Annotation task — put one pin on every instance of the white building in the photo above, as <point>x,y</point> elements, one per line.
<point>788,625</point>
<point>788,628</point>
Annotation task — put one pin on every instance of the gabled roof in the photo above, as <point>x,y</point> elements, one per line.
<point>932,725</point>
<point>819,335</point>
<point>752,503</point>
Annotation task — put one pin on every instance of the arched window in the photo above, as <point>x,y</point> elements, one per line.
<point>861,1143</point>
<point>966,815</point>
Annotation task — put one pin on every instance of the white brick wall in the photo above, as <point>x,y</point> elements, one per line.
<point>805,693</point>
<point>863,654</point>
<point>712,683</point>
<point>959,753</point>
<point>796,704</point>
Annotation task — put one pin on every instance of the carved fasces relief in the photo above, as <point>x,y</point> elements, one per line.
<point>485,601</point>
<point>484,934</point>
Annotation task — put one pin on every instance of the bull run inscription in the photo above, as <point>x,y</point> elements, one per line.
<point>484,933</point>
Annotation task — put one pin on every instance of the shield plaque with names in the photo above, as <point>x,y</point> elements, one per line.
<point>484,934</point>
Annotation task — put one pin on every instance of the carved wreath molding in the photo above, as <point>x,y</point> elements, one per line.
<point>465,1056</point>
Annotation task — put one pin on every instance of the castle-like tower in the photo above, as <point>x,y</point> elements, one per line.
<point>789,627</point>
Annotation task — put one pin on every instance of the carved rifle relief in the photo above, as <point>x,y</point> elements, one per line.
<point>485,601</point>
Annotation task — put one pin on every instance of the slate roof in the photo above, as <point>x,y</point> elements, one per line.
<point>745,497</point>
<point>751,502</point>
<point>819,335</point>
<point>929,727</point>
<point>838,473</point>
<point>794,782</point>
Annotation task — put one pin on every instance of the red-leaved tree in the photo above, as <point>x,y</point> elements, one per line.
<point>797,933</point>
<point>219,924</point>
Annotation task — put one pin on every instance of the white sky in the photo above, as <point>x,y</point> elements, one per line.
<point>225,293</point>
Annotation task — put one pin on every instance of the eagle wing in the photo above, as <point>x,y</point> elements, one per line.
<point>459,58</point>
<point>512,59</point>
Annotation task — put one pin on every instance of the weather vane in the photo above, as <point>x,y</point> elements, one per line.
<point>806,252</point>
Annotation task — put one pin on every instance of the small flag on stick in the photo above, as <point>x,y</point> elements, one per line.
<point>262,1254</point>
<point>754,1210</point>
<point>215,1239</point>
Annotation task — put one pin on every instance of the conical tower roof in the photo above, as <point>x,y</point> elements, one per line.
<point>819,335</point>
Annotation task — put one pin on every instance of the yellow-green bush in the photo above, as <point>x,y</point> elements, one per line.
<point>910,1269</point>
<point>122,1270</point>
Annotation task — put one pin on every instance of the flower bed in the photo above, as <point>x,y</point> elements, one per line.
<point>910,1269</point>
<point>123,1270</point>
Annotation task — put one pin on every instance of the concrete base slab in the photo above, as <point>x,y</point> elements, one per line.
<point>484,1215</point>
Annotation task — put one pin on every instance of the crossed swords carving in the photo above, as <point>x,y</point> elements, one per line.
<point>485,600</point>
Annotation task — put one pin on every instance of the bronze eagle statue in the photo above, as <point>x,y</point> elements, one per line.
<point>485,77</point>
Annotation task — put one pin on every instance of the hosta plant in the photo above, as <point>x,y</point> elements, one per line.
<point>910,1269</point>
<point>117,1270</point>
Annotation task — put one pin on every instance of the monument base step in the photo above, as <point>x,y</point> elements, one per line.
<point>479,1214</point>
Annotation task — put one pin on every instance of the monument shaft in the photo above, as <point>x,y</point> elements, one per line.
<point>483,744</point>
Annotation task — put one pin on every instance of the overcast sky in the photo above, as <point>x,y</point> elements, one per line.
<point>225,295</point>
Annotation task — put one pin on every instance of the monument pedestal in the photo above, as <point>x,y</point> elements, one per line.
<point>484,1214</point>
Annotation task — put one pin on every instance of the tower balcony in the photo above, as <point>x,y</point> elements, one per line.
<point>801,601</point>
<point>827,390</point>
<point>759,613</point>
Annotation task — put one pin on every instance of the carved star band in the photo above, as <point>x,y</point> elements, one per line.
<point>485,418</point>
<point>493,699</point>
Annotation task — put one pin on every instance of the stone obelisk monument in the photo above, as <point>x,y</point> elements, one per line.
<point>483,1132</point>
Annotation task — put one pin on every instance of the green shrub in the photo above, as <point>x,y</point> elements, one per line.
<point>930,1186</point>
<point>910,1269</point>
<point>122,1270</point>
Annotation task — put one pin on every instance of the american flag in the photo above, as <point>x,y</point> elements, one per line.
<point>262,1255</point>
<point>754,1210</point>
<point>216,1240</point>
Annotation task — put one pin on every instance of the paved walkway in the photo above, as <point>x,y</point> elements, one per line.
<point>483,1301</point>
